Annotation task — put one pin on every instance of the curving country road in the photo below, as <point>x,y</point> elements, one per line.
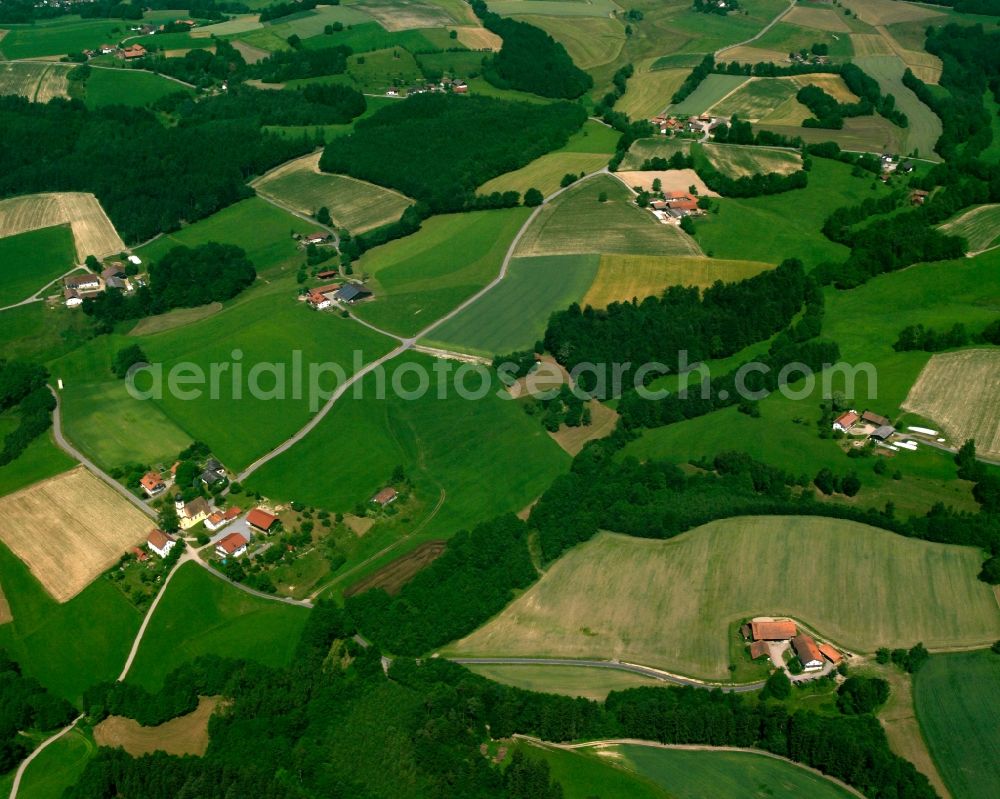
<point>761,32</point>
<point>615,665</point>
<point>407,343</point>
<point>16,785</point>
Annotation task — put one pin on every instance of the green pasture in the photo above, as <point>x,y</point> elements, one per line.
<point>645,149</point>
<point>924,125</point>
<point>131,87</point>
<point>756,99</point>
<point>583,775</point>
<point>578,222</point>
<point>460,64</point>
<point>590,41</point>
<point>957,699</point>
<point>553,8</point>
<point>695,775</point>
<point>786,38</point>
<point>608,597</point>
<point>787,225</point>
<point>709,32</point>
<point>58,767</point>
<point>39,331</point>
<point>420,278</point>
<point>203,615</point>
<point>709,92</point>
<point>590,683</point>
<point>483,456</point>
<point>369,36</point>
<point>70,646</point>
<point>514,314</point>
<point>59,36</point>
<point>41,459</point>
<point>649,92</point>
<point>677,61</point>
<point>32,260</point>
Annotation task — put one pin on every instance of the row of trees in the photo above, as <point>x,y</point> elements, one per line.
<point>315,104</point>
<point>827,112</point>
<point>928,339</point>
<point>427,164</point>
<point>530,60</point>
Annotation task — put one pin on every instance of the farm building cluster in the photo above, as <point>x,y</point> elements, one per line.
<point>772,638</point>
<point>675,205</point>
<point>702,125</point>
<point>891,164</point>
<point>452,85</point>
<point>870,426</point>
<point>133,52</point>
<point>77,288</point>
<point>335,294</point>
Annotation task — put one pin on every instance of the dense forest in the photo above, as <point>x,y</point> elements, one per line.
<point>335,724</point>
<point>530,60</point>
<point>316,104</point>
<point>827,112</point>
<point>148,177</point>
<point>701,325</point>
<point>25,706</point>
<point>25,12</point>
<point>986,7</point>
<point>23,391</point>
<point>183,278</point>
<point>437,148</point>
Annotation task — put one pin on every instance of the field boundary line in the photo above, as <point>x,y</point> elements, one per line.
<point>688,748</point>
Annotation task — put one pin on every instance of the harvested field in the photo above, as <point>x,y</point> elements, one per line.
<point>184,735</point>
<point>590,41</point>
<point>178,317</point>
<point>38,82</point>
<point>478,38</point>
<point>237,24</point>
<point>649,92</point>
<point>960,391</point>
<point>980,227</point>
<point>644,149</point>
<point>925,126</point>
<point>872,134</point>
<point>747,54</point>
<point>359,525</point>
<point>670,603</point>
<point>670,180</point>
<point>886,12</point>
<point>925,66</point>
<point>251,54</point>
<point>69,529</point>
<point>823,19</point>
<point>92,230</point>
<point>546,173</point>
<point>393,576</point>
<point>622,277</point>
<point>832,84</point>
<point>572,439</point>
<point>760,99</point>
<point>870,44</point>
<point>737,161</point>
<point>577,222</point>
<point>554,8</point>
<point>353,204</point>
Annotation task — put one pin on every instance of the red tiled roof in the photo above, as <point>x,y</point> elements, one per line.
<point>385,496</point>
<point>232,542</point>
<point>683,205</point>
<point>158,538</point>
<point>261,519</point>
<point>805,648</point>
<point>847,419</point>
<point>150,481</point>
<point>759,649</point>
<point>327,289</point>
<point>830,653</point>
<point>773,630</point>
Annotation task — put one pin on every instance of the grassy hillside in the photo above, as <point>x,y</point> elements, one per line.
<point>58,767</point>
<point>957,698</point>
<point>569,680</point>
<point>30,261</point>
<point>128,87</point>
<point>41,459</point>
<point>202,614</point>
<point>609,597</point>
<point>583,775</point>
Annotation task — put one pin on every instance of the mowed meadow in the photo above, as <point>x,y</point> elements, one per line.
<point>669,603</point>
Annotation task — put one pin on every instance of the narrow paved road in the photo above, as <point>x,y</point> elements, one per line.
<point>37,751</point>
<point>73,452</point>
<point>34,297</point>
<point>407,343</point>
<point>616,665</point>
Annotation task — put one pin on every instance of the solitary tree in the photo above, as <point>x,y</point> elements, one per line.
<point>778,686</point>
<point>323,216</point>
<point>533,197</point>
<point>126,359</point>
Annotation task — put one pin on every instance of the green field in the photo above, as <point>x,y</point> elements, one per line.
<point>786,225</point>
<point>569,680</point>
<point>924,125</point>
<point>710,32</point>
<point>695,775</point>
<point>58,766</point>
<point>60,36</point>
<point>737,161</point>
<point>979,226</point>
<point>587,150</point>
<point>68,647</point>
<point>553,8</point>
<point>645,149</point>
<point>420,278</point>
<point>709,92</point>
<point>32,260</point>
<point>514,314</point>
<point>608,598</point>
<point>590,41</point>
<point>504,460</point>
<point>577,222</point>
<point>957,698</point>
<point>41,459</point>
<point>785,38</point>
<point>583,775</point>
<point>255,225</point>
<point>649,91</point>
<point>203,615</point>
<point>131,87</point>
<point>353,204</point>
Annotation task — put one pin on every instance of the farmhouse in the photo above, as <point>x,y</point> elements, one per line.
<point>460,88</point>
<point>82,284</point>
<point>261,520</point>
<point>152,484</point>
<point>132,52</point>
<point>197,510</point>
<point>219,519</point>
<point>213,473</point>
<point>316,238</point>
<point>233,545</point>
<point>918,196</point>
<point>830,653</point>
<point>776,630</point>
<point>845,421</point>
<point>385,497</point>
<point>160,542</point>
<point>114,278</point>
<point>140,554</point>
<point>807,651</point>
<point>318,301</point>
<point>352,293</point>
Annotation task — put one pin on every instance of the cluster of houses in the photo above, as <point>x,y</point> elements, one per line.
<point>134,51</point>
<point>674,206</point>
<point>877,428</point>
<point>233,545</point>
<point>453,85</point>
<point>763,633</point>
<point>77,288</point>
<point>339,294</point>
<point>668,125</point>
<point>890,164</point>
<point>153,483</point>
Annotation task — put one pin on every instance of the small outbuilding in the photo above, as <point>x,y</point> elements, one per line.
<point>385,497</point>
<point>883,432</point>
<point>830,653</point>
<point>874,419</point>
<point>261,520</point>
